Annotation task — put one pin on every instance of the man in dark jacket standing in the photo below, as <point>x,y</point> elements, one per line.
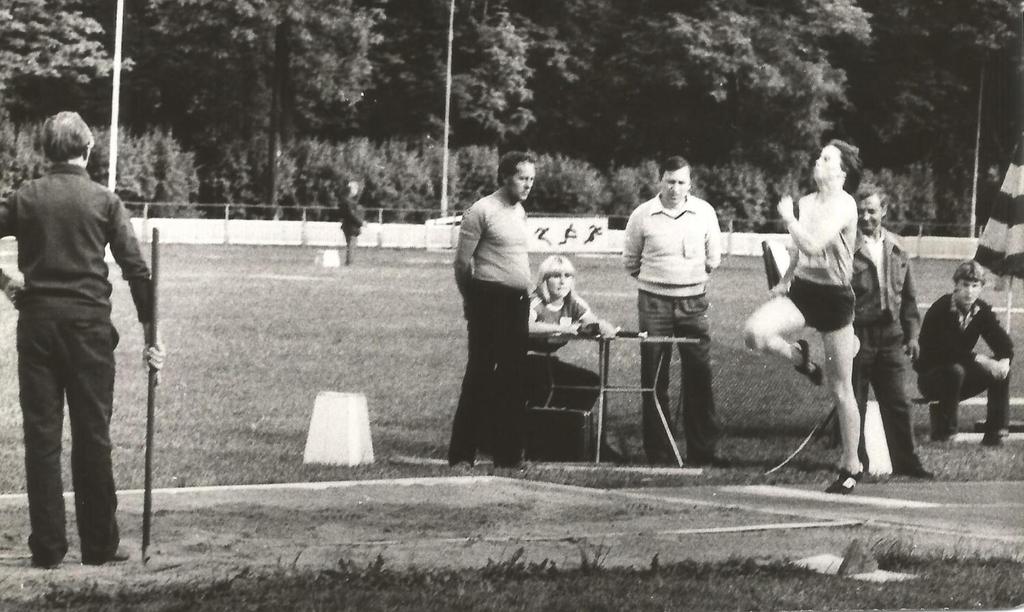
<point>886,322</point>
<point>950,370</point>
<point>63,222</point>
<point>351,218</point>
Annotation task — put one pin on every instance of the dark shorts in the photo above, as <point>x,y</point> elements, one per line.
<point>826,308</point>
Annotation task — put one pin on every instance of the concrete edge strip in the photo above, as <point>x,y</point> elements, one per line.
<point>789,492</point>
<point>610,534</point>
<point>982,401</point>
<point>283,486</point>
<point>996,537</point>
<point>567,466</point>
<point>976,437</point>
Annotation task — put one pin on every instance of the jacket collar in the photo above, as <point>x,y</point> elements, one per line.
<point>66,168</point>
<point>890,243</point>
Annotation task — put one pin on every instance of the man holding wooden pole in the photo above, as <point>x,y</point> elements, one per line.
<point>63,222</point>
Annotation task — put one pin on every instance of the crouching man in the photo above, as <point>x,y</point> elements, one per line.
<point>949,369</point>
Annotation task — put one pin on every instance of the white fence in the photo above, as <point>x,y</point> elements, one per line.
<point>433,235</point>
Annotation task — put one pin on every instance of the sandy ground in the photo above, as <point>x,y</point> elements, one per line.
<point>207,534</point>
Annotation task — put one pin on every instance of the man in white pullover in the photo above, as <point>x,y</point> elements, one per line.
<point>672,244</point>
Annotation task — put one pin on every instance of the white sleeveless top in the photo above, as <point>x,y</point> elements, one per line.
<point>834,264</point>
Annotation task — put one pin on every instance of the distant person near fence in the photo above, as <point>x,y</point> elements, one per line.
<point>351,217</point>
<point>949,368</point>
<point>816,292</point>
<point>492,272</point>
<point>63,222</point>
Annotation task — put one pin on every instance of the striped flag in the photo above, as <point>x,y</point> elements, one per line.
<point>1001,246</point>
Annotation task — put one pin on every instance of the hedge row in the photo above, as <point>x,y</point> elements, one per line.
<point>153,167</point>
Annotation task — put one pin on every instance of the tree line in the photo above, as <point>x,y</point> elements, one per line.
<point>748,88</point>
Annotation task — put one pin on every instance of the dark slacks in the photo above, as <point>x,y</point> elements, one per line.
<point>882,363</point>
<point>950,383</point>
<point>539,379</point>
<point>493,398</point>
<point>60,359</point>
<point>685,316</point>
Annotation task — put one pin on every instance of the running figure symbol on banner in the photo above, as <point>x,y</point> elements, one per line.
<point>570,234</point>
<point>541,233</point>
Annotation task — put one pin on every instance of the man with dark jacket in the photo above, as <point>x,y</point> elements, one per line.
<point>950,370</point>
<point>351,218</point>
<point>886,322</point>
<point>63,222</point>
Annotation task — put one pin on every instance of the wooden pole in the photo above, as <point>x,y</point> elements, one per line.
<point>147,498</point>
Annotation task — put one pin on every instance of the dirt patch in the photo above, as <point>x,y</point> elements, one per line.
<point>205,536</point>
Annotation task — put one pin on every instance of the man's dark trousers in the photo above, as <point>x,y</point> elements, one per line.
<point>881,362</point>
<point>72,359</point>
<point>950,383</point>
<point>684,317</point>
<point>493,399</point>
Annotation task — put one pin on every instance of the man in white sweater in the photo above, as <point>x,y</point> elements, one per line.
<point>672,244</point>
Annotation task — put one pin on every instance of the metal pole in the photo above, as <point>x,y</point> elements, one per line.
<point>154,379</point>
<point>447,111</point>
<point>115,97</point>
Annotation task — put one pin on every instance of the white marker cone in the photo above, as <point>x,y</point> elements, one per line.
<point>330,258</point>
<point>879,462</point>
<point>339,431</point>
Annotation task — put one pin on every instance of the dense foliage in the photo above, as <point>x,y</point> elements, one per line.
<point>748,88</point>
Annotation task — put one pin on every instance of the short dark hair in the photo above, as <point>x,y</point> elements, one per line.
<point>970,271</point>
<point>509,164</point>
<point>671,164</point>
<point>849,161</point>
<point>66,136</point>
<point>868,189</point>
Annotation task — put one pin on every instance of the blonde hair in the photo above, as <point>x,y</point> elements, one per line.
<point>555,264</point>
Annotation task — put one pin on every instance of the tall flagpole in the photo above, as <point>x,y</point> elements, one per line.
<point>977,155</point>
<point>1020,142</point>
<point>115,98</point>
<point>447,111</point>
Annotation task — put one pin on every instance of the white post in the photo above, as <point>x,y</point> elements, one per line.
<point>447,111</point>
<point>977,154</point>
<point>115,97</point>
<point>1009,304</point>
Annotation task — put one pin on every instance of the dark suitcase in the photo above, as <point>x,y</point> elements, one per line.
<point>558,434</point>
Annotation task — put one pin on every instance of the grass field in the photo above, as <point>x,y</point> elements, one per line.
<point>254,333</point>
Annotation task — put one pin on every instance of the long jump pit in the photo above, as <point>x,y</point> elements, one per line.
<point>213,533</point>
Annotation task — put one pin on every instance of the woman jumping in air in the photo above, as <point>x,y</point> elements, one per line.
<point>816,292</point>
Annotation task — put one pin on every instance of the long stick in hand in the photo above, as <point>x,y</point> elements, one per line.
<point>147,499</point>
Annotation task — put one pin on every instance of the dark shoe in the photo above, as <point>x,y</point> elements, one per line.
<point>915,471</point>
<point>845,483</point>
<point>718,462</point>
<point>992,440</point>
<point>46,565</point>
<point>660,458</point>
<point>459,462</point>
<point>611,455</point>
<point>807,367</point>
<point>118,556</point>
